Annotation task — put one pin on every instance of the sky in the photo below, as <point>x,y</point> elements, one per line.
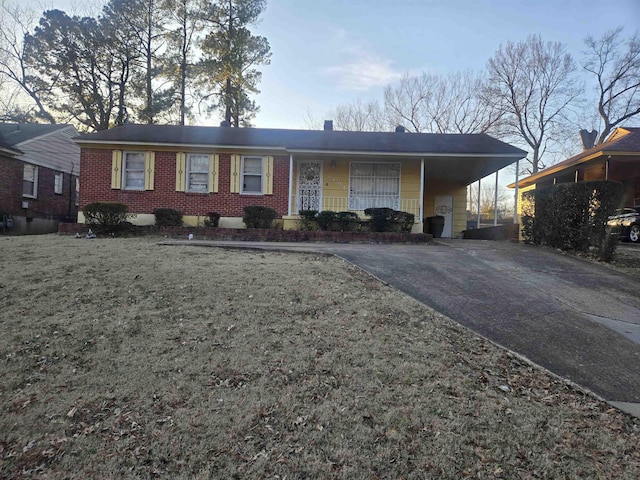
<point>327,53</point>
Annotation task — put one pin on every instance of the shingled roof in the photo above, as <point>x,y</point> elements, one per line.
<point>622,141</point>
<point>17,133</point>
<point>325,141</point>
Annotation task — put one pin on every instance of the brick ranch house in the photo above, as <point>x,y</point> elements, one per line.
<point>197,170</point>
<point>39,168</point>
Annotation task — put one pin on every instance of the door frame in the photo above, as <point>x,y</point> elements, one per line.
<point>298,182</point>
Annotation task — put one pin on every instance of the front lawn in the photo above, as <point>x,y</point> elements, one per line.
<point>121,358</point>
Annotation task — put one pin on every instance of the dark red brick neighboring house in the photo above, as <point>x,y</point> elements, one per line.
<point>39,174</point>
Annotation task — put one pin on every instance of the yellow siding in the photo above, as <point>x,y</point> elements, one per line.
<point>521,191</point>
<point>434,187</point>
<point>335,182</point>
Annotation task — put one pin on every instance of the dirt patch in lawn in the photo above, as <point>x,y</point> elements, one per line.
<point>121,358</point>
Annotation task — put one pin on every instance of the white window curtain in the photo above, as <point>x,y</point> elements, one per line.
<point>198,173</point>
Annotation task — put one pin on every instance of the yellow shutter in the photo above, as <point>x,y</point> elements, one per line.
<point>149,170</point>
<point>181,171</point>
<point>116,169</point>
<point>235,174</point>
<point>214,164</point>
<point>267,178</point>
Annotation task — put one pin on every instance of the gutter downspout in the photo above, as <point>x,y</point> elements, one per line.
<point>421,190</point>
<point>290,183</point>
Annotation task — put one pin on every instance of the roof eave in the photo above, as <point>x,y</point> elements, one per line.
<point>81,141</point>
<point>531,179</point>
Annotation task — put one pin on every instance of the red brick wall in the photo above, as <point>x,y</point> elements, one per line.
<point>47,204</point>
<point>11,171</point>
<point>95,186</point>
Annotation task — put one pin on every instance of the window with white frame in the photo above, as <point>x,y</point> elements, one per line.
<point>252,171</point>
<point>374,185</point>
<point>58,181</point>
<point>133,170</point>
<point>30,181</point>
<point>197,173</point>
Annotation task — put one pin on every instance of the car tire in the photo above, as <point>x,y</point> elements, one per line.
<point>634,233</point>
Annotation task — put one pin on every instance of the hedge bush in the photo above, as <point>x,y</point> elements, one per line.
<point>106,217</point>
<point>573,216</point>
<point>308,218</point>
<point>168,217</point>
<point>212,220</point>
<point>390,220</point>
<point>258,217</point>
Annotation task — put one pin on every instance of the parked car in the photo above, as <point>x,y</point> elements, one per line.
<point>626,223</point>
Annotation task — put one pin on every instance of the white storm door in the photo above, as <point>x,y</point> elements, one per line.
<point>309,185</point>
<point>444,207</point>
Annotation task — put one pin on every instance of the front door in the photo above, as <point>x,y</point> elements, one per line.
<point>444,207</point>
<point>309,185</point>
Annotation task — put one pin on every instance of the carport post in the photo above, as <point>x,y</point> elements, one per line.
<point>290,182</point>
<point>421,190</point>
<point>515,203</point>
<point>495,203</point>
<point>478,221</point>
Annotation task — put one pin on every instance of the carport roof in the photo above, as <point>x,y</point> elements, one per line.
<point>458,157</point>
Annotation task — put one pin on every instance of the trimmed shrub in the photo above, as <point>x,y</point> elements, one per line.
<point>390,220</point>
<point>258,217</point>
<point>308,217</point>
<point>106,217</point>
<point>212,220</point>
<point>168,217</point>
<point>326,218</point>
<point>347,221</point>
<point>573,216</point>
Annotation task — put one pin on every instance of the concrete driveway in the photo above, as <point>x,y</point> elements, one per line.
<point>578,319</point>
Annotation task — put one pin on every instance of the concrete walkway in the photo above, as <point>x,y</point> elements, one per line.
<point>578,319</point>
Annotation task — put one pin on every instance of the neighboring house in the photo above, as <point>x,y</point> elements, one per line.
<point>39,172</point>
<point>617,159</point>
<point>197,170</point>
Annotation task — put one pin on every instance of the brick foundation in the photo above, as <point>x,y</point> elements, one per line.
<point>266,235</point>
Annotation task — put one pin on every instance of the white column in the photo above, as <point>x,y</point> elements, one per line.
<point>495,203</point>
<point>421,190</point>
<point>515,202</point>
<point>290,184</point>
<point>478,220</point>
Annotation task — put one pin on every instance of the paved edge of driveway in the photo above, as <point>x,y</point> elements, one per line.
<point>630,408</point>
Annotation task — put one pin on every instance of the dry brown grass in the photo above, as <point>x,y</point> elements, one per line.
<point>125,359</point>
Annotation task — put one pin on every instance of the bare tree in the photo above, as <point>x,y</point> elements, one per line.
<point>533,84</point>
<point>615,64</point>
<point>15,70</point>
<point>358,116</point>
<point>441,104</point>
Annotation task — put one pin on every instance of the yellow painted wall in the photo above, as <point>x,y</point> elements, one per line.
<point>434,187</point>
<point>335,182</point>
